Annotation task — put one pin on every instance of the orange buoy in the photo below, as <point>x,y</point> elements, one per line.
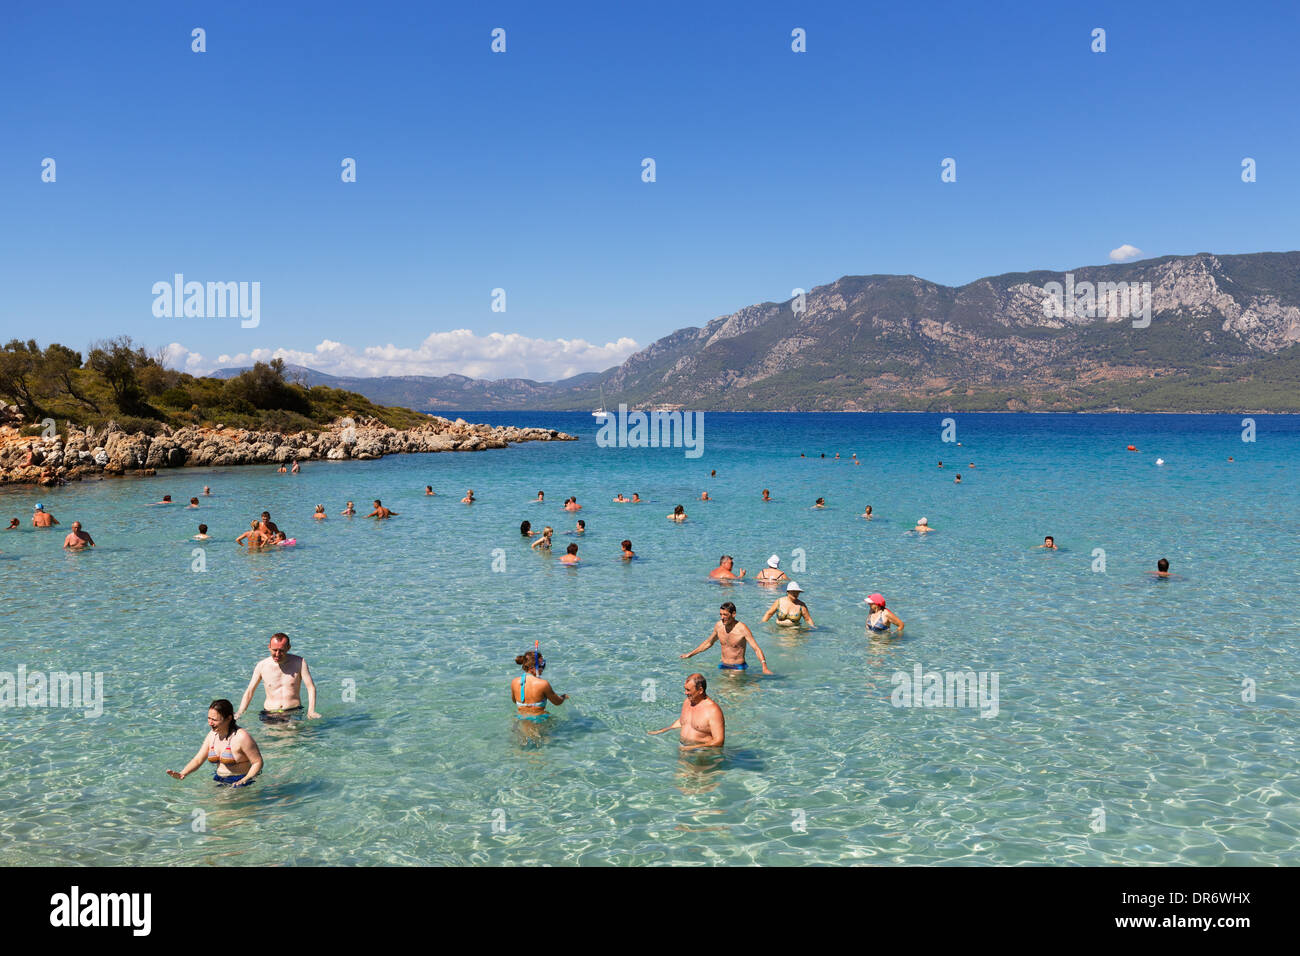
<point>1132,448</point>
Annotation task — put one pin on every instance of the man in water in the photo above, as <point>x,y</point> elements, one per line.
<point>701,721</point>
<point>1162,568</point>
<point>1049,543</point>
<point>284,674</point>
<point>628,553</point>
<point>429,492</point>
<point>723,571</point>
<point>203,533</point>
<point>42,518</point>
<point>570,555</point>
<point>734,636</point>
<point>267,526</point>
<point>767,495</point>
<point>381,512</point>
<point>78,539</point>
<point>636,498</point>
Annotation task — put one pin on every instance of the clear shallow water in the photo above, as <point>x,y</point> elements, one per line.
<point>1115,691</point>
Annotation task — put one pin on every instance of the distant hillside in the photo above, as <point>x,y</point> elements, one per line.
<point>1224,335</point>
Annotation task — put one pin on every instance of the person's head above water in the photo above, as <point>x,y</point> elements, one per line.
<point>278,645</point>
<point>626,544</point>
<point>1163,565</point>
<point>774,561</point>
<point>1049,540</point>
<point>219,712</point>
<point>572,548</point>
<point>203,529</point>
<point>582,524</point>
<point>531,661</point>
<point>727,609</point>
<point>695,687</point>
<point>876,600</point>
<point>525,527</point>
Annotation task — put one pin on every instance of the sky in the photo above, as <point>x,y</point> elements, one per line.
<point>501,223</point>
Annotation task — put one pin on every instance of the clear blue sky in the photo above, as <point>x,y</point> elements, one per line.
<point>522,170</point>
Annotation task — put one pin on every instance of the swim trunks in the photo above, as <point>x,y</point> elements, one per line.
<point>227,781</point>
<point>733,667</point>
<point>281,716</point>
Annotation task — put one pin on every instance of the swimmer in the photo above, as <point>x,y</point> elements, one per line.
<point>628,553</point>
<point>581,528</point>
<point>678,515</point>
<point>723,570</point>
<point>1162,568</point>
<point>429,492</point>
<point>13,524</point>
<point>767,495</point>
<point>734,636</point>
<point>880,618</point>
<point>636,498</point>
<point>619,499</point>
<point>281,538</point>
<point>283,470</point>
<point>319,514</point>
<point>789,610</point>
<point>266,525</point>
<point>284,675</point>
<point>227,745</point>
<point>203,533</point>
<point>42,518</point>
<point>526,529</point>
<point>713,473</point>
<point>572,504</point>
<point>194,503</point>
<point>78,539</point>
<point>704,496</point>
<point>701,720</point>
<point>940,464</point>
<point>381,512</point>
<point>570,555</point>
<point>867,514</point>
<point>971,465</point>
<point>349,511</point>
<point>957,480</point>
<point>544,542</point>
<point>1049,543</point>
<point>540,497</point>
<point>295,469</point>
<point>819,503</point>
<point>922,526</point>
<point>207,491</point>
<point>530,697</point>
<point>253,536</point>
<point>469,497</point>
<point>772,572</point>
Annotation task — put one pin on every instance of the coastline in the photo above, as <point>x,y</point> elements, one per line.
<point>112,452</point>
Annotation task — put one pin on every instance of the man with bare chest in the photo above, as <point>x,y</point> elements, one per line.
<point>733,636</point>
<point>284,675</point>
<point>701,722</point>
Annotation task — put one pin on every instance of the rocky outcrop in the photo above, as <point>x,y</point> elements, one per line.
<point>111,451</point>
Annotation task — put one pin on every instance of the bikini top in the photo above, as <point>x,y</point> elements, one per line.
<point>523,682</point>
<point>226,756</point>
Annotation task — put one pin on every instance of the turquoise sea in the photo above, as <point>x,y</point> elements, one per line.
<point>1139,721</point>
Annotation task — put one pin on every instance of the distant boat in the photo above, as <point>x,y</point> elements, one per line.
<point>600,412</point>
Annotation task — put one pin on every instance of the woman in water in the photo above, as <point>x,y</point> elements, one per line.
<point>540,498</point>
<point>229,746</point>
<point>469,498</point>
<point>772,573</point>
<point>320,513</point>
<point>429,492</point>
<point>581,528</point>
<point>867,514</point>
<point>253,536</point>
<point>530,696</point>
<point>704,496</point>
<point>628,553</point>
<point>544,542</point>
<point>526,529</point>
<point>922,526</point>
<point>349,511</point>
<point>880,618</point>
<point>678,515</point>
<point>819,503</point>
<point>789,610</point>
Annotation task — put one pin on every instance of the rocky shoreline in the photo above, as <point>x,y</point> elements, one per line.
<point>110,451</point>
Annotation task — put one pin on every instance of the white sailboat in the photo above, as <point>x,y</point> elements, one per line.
<point>600,413</point>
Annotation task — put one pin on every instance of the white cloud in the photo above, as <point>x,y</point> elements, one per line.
<point>459,352</point>
<point>1124,253</point>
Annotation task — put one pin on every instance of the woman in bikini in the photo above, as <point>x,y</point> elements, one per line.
<point>530,696</point>
<point>880,618</point>
<point>789,610</point>
<point>227,745</point>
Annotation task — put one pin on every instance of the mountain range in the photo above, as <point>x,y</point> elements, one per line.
<point>1222,334</point>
